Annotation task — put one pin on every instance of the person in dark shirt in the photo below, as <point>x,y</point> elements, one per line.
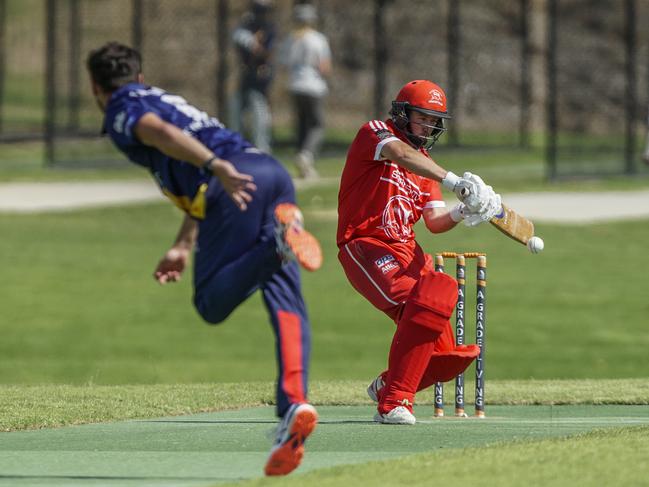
<point>241,222</point>
<point>254,39</point>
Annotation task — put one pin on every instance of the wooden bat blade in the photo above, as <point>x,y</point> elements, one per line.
<point>513,225</point>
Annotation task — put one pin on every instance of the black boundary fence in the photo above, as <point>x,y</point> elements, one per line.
<point>3,61</point>
<point>596,106</point>
<point>513,70</point>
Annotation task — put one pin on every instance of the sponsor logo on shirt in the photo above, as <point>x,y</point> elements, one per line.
<point>404,184</point>
<point>386,263</point>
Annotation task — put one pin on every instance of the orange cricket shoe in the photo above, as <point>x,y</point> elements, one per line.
<point>294,428</point>
<point>293,241</point>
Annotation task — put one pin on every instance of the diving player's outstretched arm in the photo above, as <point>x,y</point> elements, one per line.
<point>170,140</point>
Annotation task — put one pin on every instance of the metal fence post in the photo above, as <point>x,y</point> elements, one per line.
<point>380,58</point>
<point>50,80</point>
<point>137,33</point>
<point>631,95</point>
<point>3,58</point>
<point>526,50</point>
<point>551,94</point>
<point>453,62</point>
<point>74,43</point>
<point>222,43</point>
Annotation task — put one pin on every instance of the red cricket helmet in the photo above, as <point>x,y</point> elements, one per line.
<point>425,97</point>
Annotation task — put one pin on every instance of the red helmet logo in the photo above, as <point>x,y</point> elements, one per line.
<point>436,97</point>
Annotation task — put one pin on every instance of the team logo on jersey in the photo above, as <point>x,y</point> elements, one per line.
<point>398,218</point>
<point>386,263</point>
<point>384,134</point>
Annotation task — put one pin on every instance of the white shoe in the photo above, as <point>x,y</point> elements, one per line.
<point>295,427</point>
<point>374,388</point>
<point>399,415</point>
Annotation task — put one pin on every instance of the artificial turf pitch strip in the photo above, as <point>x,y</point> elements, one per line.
<point>211,448</point>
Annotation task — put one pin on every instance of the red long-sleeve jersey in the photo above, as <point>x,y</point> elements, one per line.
<point>377,197</point>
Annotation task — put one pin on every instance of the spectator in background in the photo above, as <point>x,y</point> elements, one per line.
<point>307,55</point>
<point>254,39</point>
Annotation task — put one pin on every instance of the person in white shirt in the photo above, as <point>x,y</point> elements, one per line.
<point>307,55</point>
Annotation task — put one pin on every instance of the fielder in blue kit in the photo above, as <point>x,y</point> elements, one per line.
<point>241,223</point>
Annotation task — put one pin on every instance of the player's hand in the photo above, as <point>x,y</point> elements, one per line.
<point>477,196</point>
<point>491,208</point>
<point>172,265</point>
<point>480,202</point>
<point>236,184</point>
<point>472,191</point>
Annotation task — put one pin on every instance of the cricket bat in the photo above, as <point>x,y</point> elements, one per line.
<point>513,225</point>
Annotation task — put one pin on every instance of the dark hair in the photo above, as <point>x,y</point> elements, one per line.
<point>114,65</point>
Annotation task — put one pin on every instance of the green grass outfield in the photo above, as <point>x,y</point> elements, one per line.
<point>79,305</point>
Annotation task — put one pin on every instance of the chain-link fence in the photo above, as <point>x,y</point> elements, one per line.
<point>497,60</point>
<point>598,84</point>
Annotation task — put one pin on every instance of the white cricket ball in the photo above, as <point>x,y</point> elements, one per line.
<point>535,244</point>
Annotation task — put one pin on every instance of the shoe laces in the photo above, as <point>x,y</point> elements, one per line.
<point>405,403</point>
<point>278,432</point>
<point>281,230</point>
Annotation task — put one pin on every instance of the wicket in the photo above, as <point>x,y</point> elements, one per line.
<point>480,321</point>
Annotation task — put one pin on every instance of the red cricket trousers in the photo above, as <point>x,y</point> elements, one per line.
<point>400,280</point>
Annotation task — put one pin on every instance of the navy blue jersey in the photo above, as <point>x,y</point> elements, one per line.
<point>185,184</point>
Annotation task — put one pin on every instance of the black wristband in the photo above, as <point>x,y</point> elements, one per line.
<point>207,163</point>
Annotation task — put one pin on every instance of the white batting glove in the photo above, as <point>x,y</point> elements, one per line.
<point>472,220</point>
<point>469,189</point>
<point>475,192</point>
<point>457,212</point>
<point>450,181</point>
<point>491,208</point>
<point>481,203</point>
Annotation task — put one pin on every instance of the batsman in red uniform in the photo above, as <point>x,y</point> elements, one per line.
<point>389,182</point>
